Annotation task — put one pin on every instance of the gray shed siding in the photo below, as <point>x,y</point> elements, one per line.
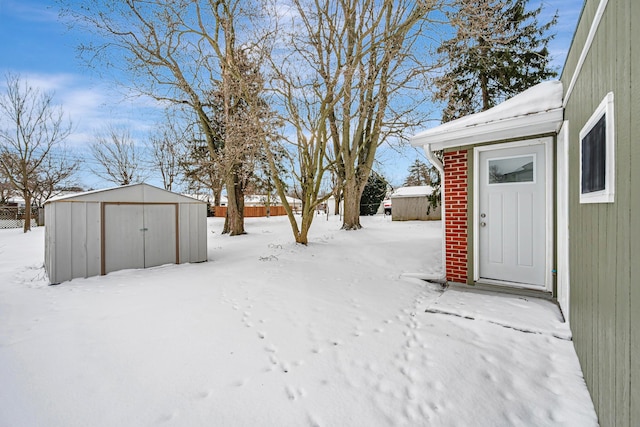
<point>72,240</point>
<point>412,209</point>
<point>604,239</point>
<point>76,243</point>
<point>193,232</point>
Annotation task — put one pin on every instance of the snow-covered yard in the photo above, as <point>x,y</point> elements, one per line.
<point>269,333</point>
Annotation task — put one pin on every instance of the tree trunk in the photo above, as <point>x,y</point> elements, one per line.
<point>336,202</point>
<point>305,225</point>
<point>217,193</point>
<point>352,194</point>
<point>27,211</point>
<point>484,87</point>
<point>234,221</point>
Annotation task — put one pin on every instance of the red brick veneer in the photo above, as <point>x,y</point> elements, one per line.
<point>455,197</point>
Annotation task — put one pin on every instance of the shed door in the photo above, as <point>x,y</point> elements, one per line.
<point>512,222</point>
<point>159,235</point>
<point>123,238</point>
<point>139,236</point>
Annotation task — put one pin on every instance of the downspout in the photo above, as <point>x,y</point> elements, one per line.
<point>442,278</point>
<point>435,161</point>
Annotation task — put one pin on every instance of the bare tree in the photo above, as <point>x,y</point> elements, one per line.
<point>178,52</point>
<point>35,127</point>
<point>56,173</point>
<point>303,145</point>
<point>118,157</point>
<point>6,189</point>
<point>371,78</point>
<point>167,144</point>
<point>200,170</point>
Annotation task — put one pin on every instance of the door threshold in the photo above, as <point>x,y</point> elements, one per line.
<point>511,288</point>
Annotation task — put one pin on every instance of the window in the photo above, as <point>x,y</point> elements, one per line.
<point>512,169</point>
<point>597,155</point>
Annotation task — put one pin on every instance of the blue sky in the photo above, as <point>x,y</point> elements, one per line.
<point>35,44</point>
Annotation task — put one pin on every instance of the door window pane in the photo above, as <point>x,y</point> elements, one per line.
<point>512,169</point>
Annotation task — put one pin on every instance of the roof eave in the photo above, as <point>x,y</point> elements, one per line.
<point>512,128</point>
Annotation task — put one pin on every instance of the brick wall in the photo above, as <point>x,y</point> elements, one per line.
<point>455,196</point>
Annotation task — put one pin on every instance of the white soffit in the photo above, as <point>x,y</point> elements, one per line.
<point>537,110</point>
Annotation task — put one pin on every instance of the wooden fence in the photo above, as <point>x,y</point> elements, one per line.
<point>251,211</point>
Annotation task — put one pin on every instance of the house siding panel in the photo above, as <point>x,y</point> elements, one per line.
<point>603,248</point>
<point>456,215</point>
<point>632,317</point>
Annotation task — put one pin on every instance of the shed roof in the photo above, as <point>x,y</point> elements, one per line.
<point>536,111</point>
<point>142,193</point>
<point>413,191</point>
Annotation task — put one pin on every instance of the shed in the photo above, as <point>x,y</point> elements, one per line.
<point>412,203</point>
<point>133,226</point>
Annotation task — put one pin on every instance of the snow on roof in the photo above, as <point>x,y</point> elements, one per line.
<point>203,197</point>
<point>536,111</point>
<point>413,191</point>
<point>140,192</point>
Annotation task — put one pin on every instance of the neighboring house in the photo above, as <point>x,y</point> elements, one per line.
<point>542,193</point>
<point>133,226</point>
<point>412,203</point>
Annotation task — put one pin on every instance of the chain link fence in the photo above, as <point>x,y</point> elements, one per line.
<point>13,216</point>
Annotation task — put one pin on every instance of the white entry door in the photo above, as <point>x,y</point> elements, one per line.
<point>512,215</point>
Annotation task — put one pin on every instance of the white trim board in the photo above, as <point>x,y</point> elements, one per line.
<point>585,50</point>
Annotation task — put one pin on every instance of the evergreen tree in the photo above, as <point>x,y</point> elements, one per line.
<point>499,50</point>
<point>436,184</point>
<point>373,194</point>
<point>419,174</point>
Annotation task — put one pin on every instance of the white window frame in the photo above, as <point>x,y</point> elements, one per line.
<point>608,194</point>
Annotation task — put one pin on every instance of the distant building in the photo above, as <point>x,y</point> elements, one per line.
<point>412,203</point>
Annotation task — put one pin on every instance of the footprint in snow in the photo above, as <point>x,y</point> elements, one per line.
<point>204,394</point>
<point>165,418</point>
<point>242,382</point>
<point>294,393</point>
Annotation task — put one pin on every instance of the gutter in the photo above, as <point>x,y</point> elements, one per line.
<point>435,161</point>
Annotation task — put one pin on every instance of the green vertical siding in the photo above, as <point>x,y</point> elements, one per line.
<point>633,318</point>
<point>604,246</point>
